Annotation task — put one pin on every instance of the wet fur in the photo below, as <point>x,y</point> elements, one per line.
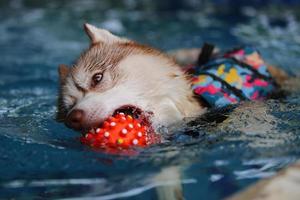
<point>134,74</point>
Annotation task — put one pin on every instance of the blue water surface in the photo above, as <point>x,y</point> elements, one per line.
<point>42,159</point>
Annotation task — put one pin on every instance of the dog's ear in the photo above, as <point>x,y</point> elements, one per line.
<point>63,71</point>
<point>97,35</point>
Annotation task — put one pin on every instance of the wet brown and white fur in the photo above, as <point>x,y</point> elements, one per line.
<point>115,72</point>
<point>131,74</point>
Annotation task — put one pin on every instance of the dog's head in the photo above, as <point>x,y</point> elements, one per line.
<point>119,75</point>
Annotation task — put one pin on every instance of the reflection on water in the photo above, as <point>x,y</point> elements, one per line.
<point>41,158</point>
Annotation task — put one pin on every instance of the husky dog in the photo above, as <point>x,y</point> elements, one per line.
<point>119,75</point>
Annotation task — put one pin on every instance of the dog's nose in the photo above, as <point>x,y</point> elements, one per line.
<point>75,119</point>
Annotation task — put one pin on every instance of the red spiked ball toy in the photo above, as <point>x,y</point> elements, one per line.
<point>121,131</point>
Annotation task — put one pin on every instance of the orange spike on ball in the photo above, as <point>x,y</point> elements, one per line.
<point>121,131</point>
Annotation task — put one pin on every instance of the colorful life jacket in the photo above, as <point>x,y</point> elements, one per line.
<point>238,75</point>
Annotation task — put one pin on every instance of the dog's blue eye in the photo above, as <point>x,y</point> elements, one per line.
<point>96,79</point>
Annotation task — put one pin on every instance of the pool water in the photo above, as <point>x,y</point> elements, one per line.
<point>42,159</point>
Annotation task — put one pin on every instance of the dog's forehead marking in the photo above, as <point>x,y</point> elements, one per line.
<point>98,58</point>
<point>101,56</point>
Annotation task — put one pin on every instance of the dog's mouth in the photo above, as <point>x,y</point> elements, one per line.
<point>137,113</point>
<point>134,111</point>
